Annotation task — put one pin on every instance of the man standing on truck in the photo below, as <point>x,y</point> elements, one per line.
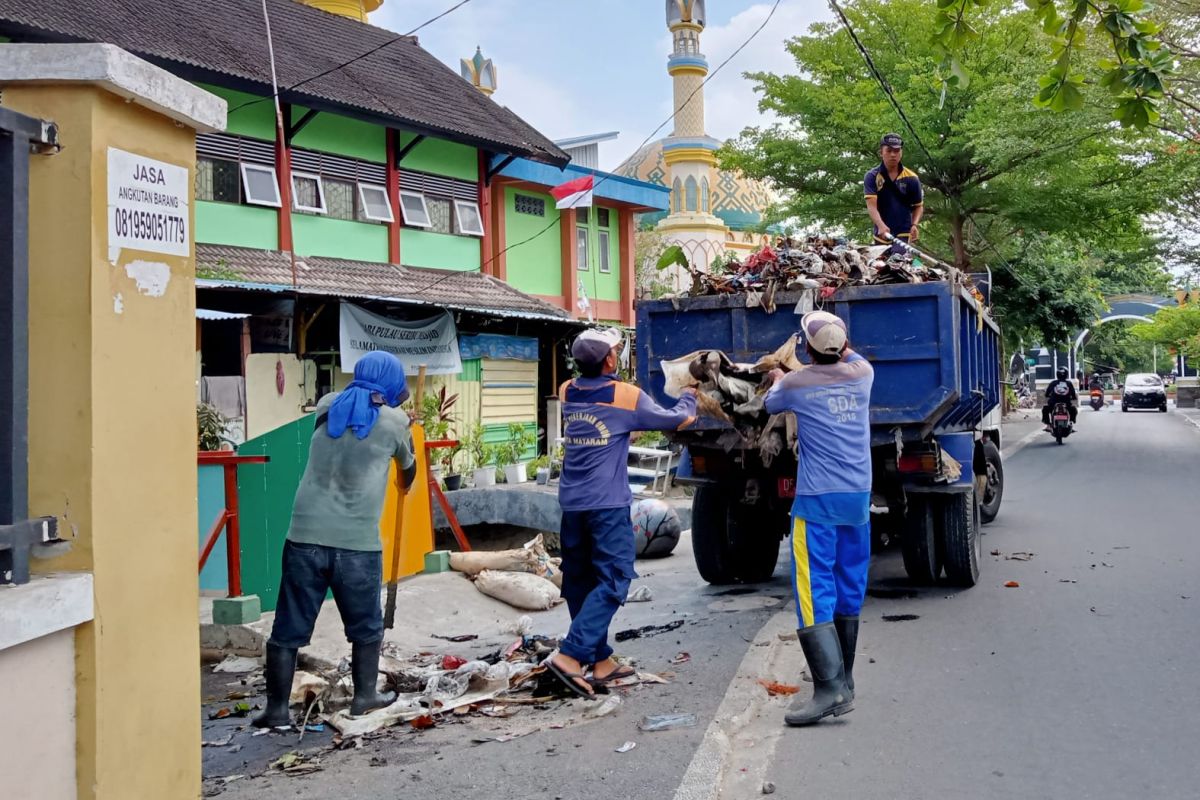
<point>598,546</point>
<point>831,531</point>
<point>895,199</point>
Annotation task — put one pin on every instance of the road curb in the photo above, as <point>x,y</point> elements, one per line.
<point>741,705</point>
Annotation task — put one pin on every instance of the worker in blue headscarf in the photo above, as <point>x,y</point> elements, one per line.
<point>333,541</point>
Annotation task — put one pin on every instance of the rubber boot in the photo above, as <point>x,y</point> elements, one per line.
<point>364,669</point>
<point>281,666</point>
<point>847,630</point>
<point>830,696</point>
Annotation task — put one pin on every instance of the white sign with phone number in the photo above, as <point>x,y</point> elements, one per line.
<point>147,205</point>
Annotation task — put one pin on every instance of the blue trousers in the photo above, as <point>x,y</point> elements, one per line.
<point>829,570</point>
<point>309,571</point>
<point>598,552</point>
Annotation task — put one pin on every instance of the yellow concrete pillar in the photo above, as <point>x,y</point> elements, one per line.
<point>112,434</point>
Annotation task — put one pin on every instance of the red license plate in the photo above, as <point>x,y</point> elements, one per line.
<point>1061,419</point>
<point>787,487</point>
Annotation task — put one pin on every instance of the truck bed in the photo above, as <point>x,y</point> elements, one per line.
<point>936,353</point>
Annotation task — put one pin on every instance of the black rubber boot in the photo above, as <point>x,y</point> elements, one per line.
<point>364,669</point>
<point>847,631</point>
<point>281,666</point>
<point>830,696</point>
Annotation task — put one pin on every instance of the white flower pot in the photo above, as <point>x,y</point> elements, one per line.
<point>515,473</point>
<point>485,476</point>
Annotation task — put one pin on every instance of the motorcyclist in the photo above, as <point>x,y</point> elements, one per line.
<point>1095,382</point>
<point>1060,390</point>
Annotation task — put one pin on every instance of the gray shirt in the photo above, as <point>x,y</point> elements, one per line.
<point>341,494</point>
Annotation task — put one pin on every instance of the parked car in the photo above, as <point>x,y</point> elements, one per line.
<point>1144,390</point>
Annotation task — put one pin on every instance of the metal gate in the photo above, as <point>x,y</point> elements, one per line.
<point>20,137</point>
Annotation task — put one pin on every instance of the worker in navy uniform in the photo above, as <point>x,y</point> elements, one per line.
<point>895,199</point>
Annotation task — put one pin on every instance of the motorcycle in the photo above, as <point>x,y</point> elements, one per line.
<point>1060,422</point>
<point>1097,399</point>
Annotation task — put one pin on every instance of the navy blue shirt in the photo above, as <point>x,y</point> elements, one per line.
<point>895,199</point>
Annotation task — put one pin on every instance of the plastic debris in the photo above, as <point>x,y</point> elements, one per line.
<point>604,708</point>
<point>642,594</point>
<point>217,742</point>
<point>238,664</point>
<point>521,626</point>
<point>648,630</point>
<point>666,722</point>
<point>681,658</point>
<point>296,764</point>
<point>625,748</point>
<point>1011,585</point>
<point>452,662</point>
<point>318,728</point>
<point>466,637</point>
<point>238,710</point>
<point>775,688</point>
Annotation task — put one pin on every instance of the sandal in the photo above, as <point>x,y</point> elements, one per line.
<point>622,672</point>
<point>569,679</point>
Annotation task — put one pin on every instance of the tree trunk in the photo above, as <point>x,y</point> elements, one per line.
<point>958,238</point>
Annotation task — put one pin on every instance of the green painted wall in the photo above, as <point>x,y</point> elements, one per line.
<point>329,133</point>
<point>256,120</point>
<point>600,285</point>
<point>340,238</point>
<point>536,266</point>
<point>472,370</point>
<point>242,226</point>
<point>265,496</point>
<point>420,248</point>
<point>440,157</point>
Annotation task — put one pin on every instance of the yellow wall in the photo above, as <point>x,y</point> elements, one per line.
<point>112,447</point>
<point>510,391</point>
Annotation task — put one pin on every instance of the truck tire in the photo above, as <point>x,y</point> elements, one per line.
<point>733,542</point>
<point>993,486</point>
<point>961,538</point>
<point>918,542</point>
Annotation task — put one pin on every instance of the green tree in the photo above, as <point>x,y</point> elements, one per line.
<point>1006,181</point>
<point>1113,347</point>
<point>1177,329</point>
<point>1126,51</point>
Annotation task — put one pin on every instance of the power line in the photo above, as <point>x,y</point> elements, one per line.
<point>357,58</point>
<point>891,96</point>
<point>644,142</point>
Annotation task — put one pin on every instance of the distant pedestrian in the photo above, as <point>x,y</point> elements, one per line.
<point>333,541</point>
<point>831,531</point>
<point>895,199</point>
<point>598,545</point>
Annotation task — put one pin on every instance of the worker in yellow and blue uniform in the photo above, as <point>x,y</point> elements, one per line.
<point>831,531</point>
<point>895,199</point>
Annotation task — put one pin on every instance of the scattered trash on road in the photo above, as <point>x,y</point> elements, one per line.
<point>238,710</point>
<point>452,662</point>
<point>608,706</point>
<point>681,658</point>
<point>641,595</point>
<point>218,742</point>
<point>506,738</point>
<point>648,630</point>
<point>768,788</point>
<point>1011,585</point>
<point>1020,556</point>
<point>296,764</point>
<point>238,664</point>
<point>521,626</point>
<point>666,722</point>
<point>900,617</point>
<point>775,688</point>
<point>1067,580</point>
<point>466,637</point>
<point>625,748</point>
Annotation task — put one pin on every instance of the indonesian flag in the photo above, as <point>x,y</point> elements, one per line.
<point>574,194</point>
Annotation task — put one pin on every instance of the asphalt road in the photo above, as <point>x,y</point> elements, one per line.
<point>1080,683</point>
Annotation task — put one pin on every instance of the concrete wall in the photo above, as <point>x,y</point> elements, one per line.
<point>112,447</point>
<point>37,744</point>
<point>266,408</point>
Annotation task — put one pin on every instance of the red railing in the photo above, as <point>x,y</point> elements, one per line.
<point>227,520</point>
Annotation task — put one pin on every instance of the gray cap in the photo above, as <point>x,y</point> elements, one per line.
<point>824,332</point>
<point>593,345</point>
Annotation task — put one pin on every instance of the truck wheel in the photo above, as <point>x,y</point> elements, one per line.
<point>993,488</point>
<point>733,542</point>
<point>918,542</point>
<point>961,541</point>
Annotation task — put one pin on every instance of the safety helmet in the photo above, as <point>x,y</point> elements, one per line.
<point>1062,373</point>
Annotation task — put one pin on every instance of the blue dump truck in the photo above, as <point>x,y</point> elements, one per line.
<point>935,425</point>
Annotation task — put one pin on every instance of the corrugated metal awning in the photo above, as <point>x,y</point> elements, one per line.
<point>206,314</point>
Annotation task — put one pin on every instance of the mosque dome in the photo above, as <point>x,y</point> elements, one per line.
<point>737,200</point>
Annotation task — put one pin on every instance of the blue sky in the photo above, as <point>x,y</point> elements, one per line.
<point>571,67</point>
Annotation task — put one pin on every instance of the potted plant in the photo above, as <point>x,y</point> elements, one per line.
<point>211,426</point>
<point>436,414</point>
<point>453,477</point>
<point>482,457</point>
<point>541,469</point>
<point>519,440</point>
<point>556,462</point>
